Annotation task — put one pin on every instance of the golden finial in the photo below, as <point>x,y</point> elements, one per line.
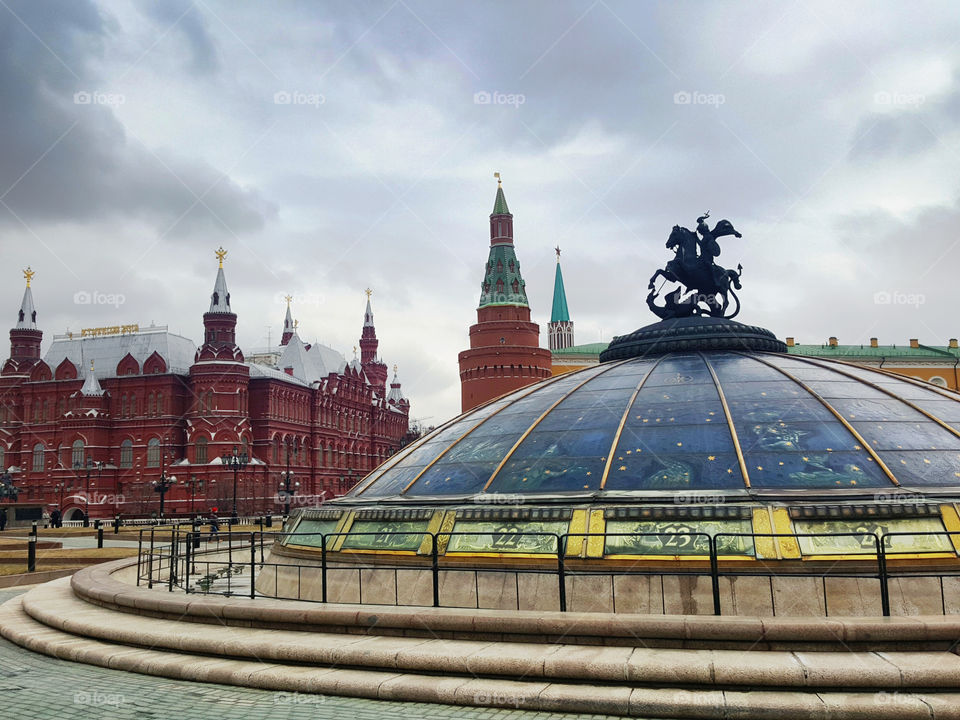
<point>289,299</point>
<point>296,324</point>
<point>91,366</point>
<point>221,254</point>
<point>28,273</point>
<point>354,349</point>
<point>369,292</point>
<point>557,248</point>
<point>394,368</point>
<point>497,176</point>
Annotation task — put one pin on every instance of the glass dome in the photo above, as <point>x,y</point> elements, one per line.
<point>738,424</point>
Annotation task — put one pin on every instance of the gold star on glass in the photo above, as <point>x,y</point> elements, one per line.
<point>679,444</point>
<point>623,467</point>
<point>759,467</point>
<point>711,457</point>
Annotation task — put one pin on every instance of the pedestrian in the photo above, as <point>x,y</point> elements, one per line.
<point>55,519</point>
<point>3,520</point>
<point>214,526</point>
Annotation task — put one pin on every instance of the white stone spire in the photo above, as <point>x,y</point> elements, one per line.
<point>91,386</point>
<point>368,315</point>
<point>220,299</point>
<point>27,319</point>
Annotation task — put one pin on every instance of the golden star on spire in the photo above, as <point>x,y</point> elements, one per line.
<point>221,254</point>
<point>289,299</point>
<point>369,292</point>
<point>28,273</point>
<point>497,176</point>
<point>557,250</point>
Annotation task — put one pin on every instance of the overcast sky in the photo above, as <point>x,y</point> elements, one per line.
<point>339,145</point>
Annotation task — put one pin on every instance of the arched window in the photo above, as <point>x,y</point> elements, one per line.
<point>150,405</point>
<point>38,458</point>
<point>938,381</point>
<point>3,465</point>
<point>276,449</point>
<point>77,456</point>
<point>201,450</point>
<point>123,405</point>
<point>126,453</point>
<point>245,448</point>
<point>153,453</point>
<point>133,405</point>
<point>159,403</point>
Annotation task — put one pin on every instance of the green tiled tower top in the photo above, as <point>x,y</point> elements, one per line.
<point>560,312</point>
<point>502,283</point>
<point>500,204</point>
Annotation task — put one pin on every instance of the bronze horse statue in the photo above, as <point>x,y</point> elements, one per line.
<point>711,284</point>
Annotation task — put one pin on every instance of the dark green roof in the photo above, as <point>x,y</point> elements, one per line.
<point>560,312</point>
<point>585,349</point>
<point>502,283</point>
<point>500,204</point>
<point>923,352</point>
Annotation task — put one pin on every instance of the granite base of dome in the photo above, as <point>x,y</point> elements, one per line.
<point>691,334</point>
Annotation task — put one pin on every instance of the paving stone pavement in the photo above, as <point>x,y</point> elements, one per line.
<point>38,686</point>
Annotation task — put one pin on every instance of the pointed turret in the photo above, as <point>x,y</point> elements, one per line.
<point>560,329</point>
<point>289,327</point>
<point>376,371</point>
<point>219,322</point>
<point>25,337</point>
<point>396,396</point>
<point>505,352</point>
<point>91,386</point>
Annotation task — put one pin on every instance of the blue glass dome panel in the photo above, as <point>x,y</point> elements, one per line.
<point>814,470</point>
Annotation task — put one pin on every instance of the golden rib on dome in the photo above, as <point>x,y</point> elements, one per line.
<point>733,430</point>
<point>544,414</point>
<point>623,421</point>
<point>836,413</point>
<point>533,388</point>
<point>930,416</point>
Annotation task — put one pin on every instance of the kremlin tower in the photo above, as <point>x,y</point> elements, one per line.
<point>560,329</point>
<point>505,352</point>
<point>25,337</point>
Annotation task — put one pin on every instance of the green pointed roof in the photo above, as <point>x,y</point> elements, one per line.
<point>560,312</point>
<point>502,283</point>
<point>500,204</point>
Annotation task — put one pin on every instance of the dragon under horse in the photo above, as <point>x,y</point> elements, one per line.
<point>707,287</point>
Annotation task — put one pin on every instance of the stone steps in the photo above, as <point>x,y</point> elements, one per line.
<point>55,605</point>
<point>19,627</point>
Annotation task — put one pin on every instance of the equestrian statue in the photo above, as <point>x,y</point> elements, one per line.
<point>707,287</point>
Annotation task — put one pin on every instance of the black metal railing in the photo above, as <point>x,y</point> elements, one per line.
<point>229,563</point>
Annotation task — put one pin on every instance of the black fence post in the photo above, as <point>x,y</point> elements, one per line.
<point>186,564</point>
<point>99,537</point>
<point>323,570</point>
<point>139,556</point>
<point>435,562</point>
<point>714,574</point>
<point>561,571</point>
<point>253,563</point>
<point>32,552</point>
<point>33,528</point>
<point>172,570</point>
<point>882,574</point>
<point>116,525</point>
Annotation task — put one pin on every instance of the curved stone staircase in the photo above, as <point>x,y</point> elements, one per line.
<point>634,665</point>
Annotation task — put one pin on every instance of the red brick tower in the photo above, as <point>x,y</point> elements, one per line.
<point>25,337</point>
<point>505,352</point>
<point>375,370</point>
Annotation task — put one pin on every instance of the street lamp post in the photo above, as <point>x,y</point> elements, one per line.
<point>164,484</point>
<point>287,488</point>
<point>88,466</point>
<point>193,483</point>
<point>235,462</point>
